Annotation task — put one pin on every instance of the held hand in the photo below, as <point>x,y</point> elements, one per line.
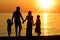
<point>12,22</point>
<point>33,24</point>
<point>23,21</point>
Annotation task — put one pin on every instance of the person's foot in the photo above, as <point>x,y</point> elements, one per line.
<point>16,35</point>
<point>19,35</point>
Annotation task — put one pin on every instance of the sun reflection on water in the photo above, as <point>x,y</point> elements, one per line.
<point>45,23</point>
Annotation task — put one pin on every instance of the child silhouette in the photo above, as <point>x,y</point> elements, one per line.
<point>38,24</point>
<point>9,24</point>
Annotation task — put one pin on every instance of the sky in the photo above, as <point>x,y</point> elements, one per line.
<point>25,5</point>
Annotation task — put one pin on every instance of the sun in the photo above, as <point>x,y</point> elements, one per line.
<point>45,4</point>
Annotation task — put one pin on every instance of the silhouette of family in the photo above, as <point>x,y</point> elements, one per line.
<point>17,21</point>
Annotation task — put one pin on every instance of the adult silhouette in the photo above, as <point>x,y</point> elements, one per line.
<point>17,15</point>
<point>29,19</point>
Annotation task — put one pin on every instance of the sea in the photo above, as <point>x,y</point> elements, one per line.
<point>50,24</point>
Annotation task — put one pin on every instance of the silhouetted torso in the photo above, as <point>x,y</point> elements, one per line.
<point>29,19</point>
<point>17,15</point>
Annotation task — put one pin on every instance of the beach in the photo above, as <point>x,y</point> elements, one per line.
<point>55,37</point>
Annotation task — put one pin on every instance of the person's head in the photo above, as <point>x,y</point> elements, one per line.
<point>29,12</point>
<point>18,8</point>
<point>8,20</point>
<point>38,16</point>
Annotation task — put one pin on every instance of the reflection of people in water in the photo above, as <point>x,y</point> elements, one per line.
<point>17,15</point>
<point>9,24</point>
<point>29,19</point>
<point>38,24</point>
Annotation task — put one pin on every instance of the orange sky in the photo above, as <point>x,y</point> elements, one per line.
<point>26,5</point>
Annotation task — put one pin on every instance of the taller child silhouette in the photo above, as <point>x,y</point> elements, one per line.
<point>17,15</point>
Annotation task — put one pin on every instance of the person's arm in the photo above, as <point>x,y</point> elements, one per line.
<point>21,16</point>
<point>34,23</point>
<point>12,17</point>
<point>32,20</point>
<point>25,20</point>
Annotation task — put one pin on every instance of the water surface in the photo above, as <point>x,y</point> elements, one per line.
<point>50,24</point>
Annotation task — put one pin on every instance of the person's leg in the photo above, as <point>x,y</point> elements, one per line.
<point>20,27</point>
<point>16,26</point>
<point>38,34</point>
<point>16,30</point>
<point>8,33</point>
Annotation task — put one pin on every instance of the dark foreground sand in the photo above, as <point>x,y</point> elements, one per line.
<point>57,37</point>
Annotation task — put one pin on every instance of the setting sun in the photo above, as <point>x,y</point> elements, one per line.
<point>46,3</point>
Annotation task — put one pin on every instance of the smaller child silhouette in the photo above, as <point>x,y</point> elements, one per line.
<point>9,24</point>
<point>38,24</point>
